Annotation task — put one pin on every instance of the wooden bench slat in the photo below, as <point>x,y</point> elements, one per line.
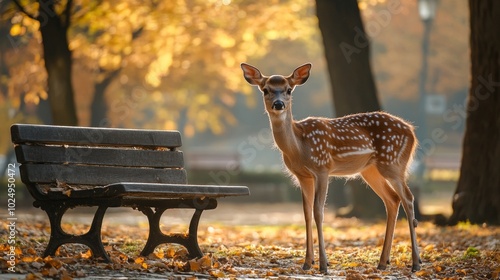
<point>99,156</point>
<point>97,175</point>
<point>177,190</point>
<point>94,136</point>
<point>151,191</point>
<point>87,194</point>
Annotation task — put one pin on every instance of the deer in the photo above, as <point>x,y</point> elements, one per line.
<point>377,146</point>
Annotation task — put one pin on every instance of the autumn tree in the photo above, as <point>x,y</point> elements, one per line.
<point>156,63</point>
<point>347,52</point>
<point>53,27</point>
<point>477,196</point>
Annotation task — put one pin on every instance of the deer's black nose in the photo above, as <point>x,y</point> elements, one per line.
<point>278,105</point>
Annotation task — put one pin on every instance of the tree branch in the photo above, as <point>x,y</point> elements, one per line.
<point>22,10</point>
<point>137,33</point>
<point>67,14</point>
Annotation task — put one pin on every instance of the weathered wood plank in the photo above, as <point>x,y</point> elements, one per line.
<point>177,190</point>
<point>94,136</point>
<point>152,191</point>
<point>99,156</point>
<point>93,193</point>
<point>97,175</point>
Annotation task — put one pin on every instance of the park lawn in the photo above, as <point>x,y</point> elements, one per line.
<point>271,251</point>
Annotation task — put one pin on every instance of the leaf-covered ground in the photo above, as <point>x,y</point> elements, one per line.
<point>253,250</point>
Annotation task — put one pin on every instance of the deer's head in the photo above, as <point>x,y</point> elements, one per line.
<point>276,89</point>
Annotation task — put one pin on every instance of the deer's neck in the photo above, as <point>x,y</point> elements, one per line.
<point>285,133</point>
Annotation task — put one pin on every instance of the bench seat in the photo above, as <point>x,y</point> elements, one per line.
<point>66,167</point>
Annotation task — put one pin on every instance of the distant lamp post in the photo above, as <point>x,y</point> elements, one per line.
<point>427,11</point>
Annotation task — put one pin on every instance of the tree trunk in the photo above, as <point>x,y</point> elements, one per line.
<point>57,58</point>
<point>99,108</point>
<point>347,52</point>
<point>477,197</point>
<point>5,47</point>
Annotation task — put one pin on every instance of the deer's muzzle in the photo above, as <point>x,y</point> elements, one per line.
<point>278,105</point>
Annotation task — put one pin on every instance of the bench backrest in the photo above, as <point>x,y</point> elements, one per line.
<point>54,156</point>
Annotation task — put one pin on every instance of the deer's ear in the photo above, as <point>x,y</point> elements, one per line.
<point>301,74</point>
<point>251,74</point>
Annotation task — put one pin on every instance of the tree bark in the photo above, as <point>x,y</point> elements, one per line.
<point>58,62</point>
<point>5,47</point>
<point>477,196</point>
<point>99,108</point>
<point>347,52</point>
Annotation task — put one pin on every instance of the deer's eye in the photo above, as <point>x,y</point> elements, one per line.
<point>289,91</point>
<point>266,91</point>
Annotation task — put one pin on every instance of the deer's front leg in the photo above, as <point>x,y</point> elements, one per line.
<point>307,187</point>
<point>319,208</point>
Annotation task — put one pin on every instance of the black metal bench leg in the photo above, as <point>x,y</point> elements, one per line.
<point>192,240</point>
<point>157,237</point>
<point>58,236</point>
<point>93,237</point>
<point>155,234</point>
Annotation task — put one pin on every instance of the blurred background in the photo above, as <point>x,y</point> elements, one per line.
<point>175,65</point>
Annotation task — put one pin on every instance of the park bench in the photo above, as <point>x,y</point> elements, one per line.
<point>66,167</point>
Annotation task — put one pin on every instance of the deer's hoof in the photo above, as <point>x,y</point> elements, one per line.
<point>415,267</point>
<point>306,266</point>
<point>381,266</point>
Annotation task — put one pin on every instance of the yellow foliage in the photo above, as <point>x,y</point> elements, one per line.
<point>183,56</point>
<point>17,30</point>
<point>223,39</point>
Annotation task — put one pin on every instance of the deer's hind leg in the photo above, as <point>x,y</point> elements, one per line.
<point>391,200</point>
<point>407,201</point>
<point>396,177</point>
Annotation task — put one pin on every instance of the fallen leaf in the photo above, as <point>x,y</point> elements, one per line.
<point>217,273</point>
<point>86,255</point>
<point>54,263</point>
<point>423,273</point>
<point>194,266</point>
<point>352,264</point>
<point>139,260</point>
<point>205,262</point>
